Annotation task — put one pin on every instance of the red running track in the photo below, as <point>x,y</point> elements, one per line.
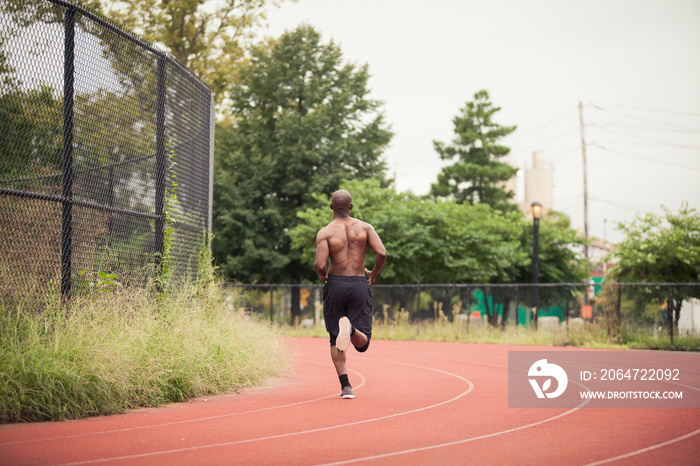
<point>417,403</point>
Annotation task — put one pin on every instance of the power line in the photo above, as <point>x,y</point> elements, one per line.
<point>570,202</point>
<point>554,157</point>
<point>663,143</point>
<point>646,109</point>
<point>649,159</point>
<point>566,133</point>
<point>645,128</point>
<point>529,130</point>
<point>648,120</point>
<point>626,205</point>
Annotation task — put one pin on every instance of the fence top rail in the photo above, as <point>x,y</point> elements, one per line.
<point>461,285</point>
<point>107,24</point>
<point>129,36</point>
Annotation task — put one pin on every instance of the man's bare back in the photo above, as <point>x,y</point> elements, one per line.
<point>345,242</point>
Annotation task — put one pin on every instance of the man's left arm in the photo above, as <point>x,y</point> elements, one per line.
<point>375,244</point>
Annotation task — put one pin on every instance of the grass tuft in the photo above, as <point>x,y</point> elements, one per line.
<point>132,348</point>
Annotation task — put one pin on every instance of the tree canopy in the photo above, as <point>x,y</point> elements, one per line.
<point>660,248</point>
<point>302,121</point>
<point>559,246</point>
<point>210,37</point>
<point>477,174</point>
<point>441,241</point>
<point>32,124</point>
<point>207,36</point>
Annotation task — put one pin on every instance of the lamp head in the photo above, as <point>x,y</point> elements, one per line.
<point>536,210</point>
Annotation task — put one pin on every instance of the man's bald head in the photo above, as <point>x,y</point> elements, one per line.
<point>341,200</point>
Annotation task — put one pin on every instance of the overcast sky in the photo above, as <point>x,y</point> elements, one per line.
<point>634,64</point>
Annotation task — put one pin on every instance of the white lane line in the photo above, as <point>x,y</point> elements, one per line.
<point>644,450</point>
<point>363,380</point>
<point>460,442</point>
<point>449,444</point>
<point>652,447</point>
<point>291,434</point>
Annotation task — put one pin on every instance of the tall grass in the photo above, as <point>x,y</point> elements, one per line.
<point>131,348</point>
<point>589,335</point>
<point>645,338</point>
<point>477,330</point>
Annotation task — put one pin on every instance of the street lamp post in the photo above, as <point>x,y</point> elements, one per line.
<point>536,214</point>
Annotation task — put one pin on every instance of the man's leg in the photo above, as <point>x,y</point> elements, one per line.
<point>347,334</point>
<point>339,361</point>
<point>340,367</point>
<point>358,339</point>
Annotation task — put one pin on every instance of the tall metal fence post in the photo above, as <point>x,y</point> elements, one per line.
<point>618,308</point>
<point>68,93</point>
<point>160,162</point>
<point>517,305</point>
<point>272,309</point>
<point>110,199</point>
<point>418,301</point>
<point>566,310</point>
<point>670,313</point>
<point>469,308</point>
<point>212,129</point>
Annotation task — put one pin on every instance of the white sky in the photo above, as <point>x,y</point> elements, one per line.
<point>538,59</point>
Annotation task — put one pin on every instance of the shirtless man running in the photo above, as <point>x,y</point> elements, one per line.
<point>347,299</point>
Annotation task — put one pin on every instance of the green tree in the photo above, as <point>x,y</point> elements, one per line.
<point>478,175</point>
<point>559,259</point>
<point>32,131</point>
<point>428,240</point>
<point>441,241</point>
<point>209,37</point>
<point>302,121</point>
<point>659,249</point>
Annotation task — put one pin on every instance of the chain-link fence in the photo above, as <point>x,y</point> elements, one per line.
<point>106,153</point>
<point>671,310</point>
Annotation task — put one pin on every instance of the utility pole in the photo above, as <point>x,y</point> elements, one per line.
<point>585,196</point>
<point>585,182</point>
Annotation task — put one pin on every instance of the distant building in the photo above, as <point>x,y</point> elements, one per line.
<point>598,250</point>
<point>538,185</point>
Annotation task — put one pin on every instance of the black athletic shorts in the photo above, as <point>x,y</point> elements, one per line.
<point>350,297</point>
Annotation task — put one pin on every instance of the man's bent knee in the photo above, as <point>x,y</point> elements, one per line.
<point>362,349</point>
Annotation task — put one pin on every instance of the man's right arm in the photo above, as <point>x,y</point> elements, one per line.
<point>322,254</point>
<point>375,244</point>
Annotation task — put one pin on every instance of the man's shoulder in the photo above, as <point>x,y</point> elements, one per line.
<point>327,230</point>
<point>365,226</point>
<point>357,221</point>
<point>334,226</point>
